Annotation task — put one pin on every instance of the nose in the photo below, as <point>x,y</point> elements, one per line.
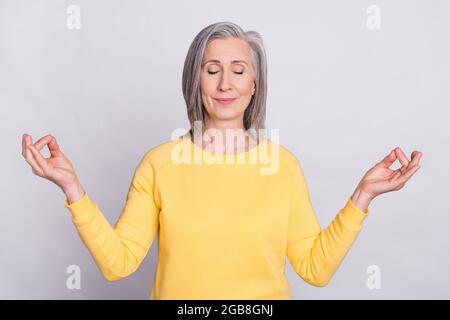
<point>224,84</point>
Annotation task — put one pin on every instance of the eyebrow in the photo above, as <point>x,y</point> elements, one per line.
<point>218,61</point>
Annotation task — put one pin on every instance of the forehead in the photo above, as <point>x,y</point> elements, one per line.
<point>227,49</point>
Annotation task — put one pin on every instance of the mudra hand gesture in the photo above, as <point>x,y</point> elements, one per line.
<point>380,178</point>
<point>57,168</point>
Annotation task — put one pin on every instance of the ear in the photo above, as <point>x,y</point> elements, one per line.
<point>253,92</point>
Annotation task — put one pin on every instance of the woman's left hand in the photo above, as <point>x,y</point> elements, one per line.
<point>380,178</point>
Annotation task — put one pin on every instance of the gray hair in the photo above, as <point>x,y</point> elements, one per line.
<point>254,115</point>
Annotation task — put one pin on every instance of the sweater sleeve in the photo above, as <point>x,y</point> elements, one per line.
<point>119,251</point>
<point>316,254</point>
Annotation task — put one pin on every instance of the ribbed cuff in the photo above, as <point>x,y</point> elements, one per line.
<point>82,210</point>
<point>352,216</point>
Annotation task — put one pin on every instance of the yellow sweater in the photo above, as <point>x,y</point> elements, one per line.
<point>224,230</point>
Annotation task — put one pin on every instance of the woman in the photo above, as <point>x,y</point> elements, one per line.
<point>224,229</point>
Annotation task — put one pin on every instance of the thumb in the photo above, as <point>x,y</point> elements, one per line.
<point>53,147</point>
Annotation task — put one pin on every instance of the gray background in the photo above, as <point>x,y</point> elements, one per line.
<point>342,96</point>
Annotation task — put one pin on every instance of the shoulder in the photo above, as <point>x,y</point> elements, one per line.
<point>291,168</point>
<point>158,156</point>
<point>288,158</point>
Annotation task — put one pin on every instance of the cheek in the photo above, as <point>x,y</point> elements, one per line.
<point>207,92</point>
<point>207,86</point>
<point>245,86</point>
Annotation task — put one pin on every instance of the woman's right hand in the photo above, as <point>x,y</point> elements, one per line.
<point>57,168</point>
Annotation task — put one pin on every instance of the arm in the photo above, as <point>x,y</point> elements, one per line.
<point>119,251</point>
<point>316,254</point>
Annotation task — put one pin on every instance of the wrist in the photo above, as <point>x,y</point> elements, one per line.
<point>361,199</point>
<point>74,192</point>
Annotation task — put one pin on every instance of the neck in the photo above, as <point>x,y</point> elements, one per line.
<point>212,133</point>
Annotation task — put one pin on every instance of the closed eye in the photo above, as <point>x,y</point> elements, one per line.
<point>210,72</point>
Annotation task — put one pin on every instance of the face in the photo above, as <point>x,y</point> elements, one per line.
<point>227,73</point>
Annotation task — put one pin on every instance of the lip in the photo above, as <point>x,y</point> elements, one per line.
<point>225,100</point>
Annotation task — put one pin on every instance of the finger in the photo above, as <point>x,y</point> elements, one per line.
<point>408,174</point>
<point>397,173</point>
<point>28,139</point>
<point>415,157</point>
<point>25,151</point>
<point>23,146</point>
<point>388,160</point>
<point>402,157</point>
<point>25,139</point>
<point>29,157</point>
<point>42,142</point>
<point>39,159</point>
<point>54,148</point>
<point>28,142</point>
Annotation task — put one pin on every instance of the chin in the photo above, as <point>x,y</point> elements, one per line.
<point>227,114</point>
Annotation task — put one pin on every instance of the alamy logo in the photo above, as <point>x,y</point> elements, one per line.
<point>224,148</point>
<point>374,19</point>
<point>74,280</point>
<point>374,280</point>
<point>74,17</point>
